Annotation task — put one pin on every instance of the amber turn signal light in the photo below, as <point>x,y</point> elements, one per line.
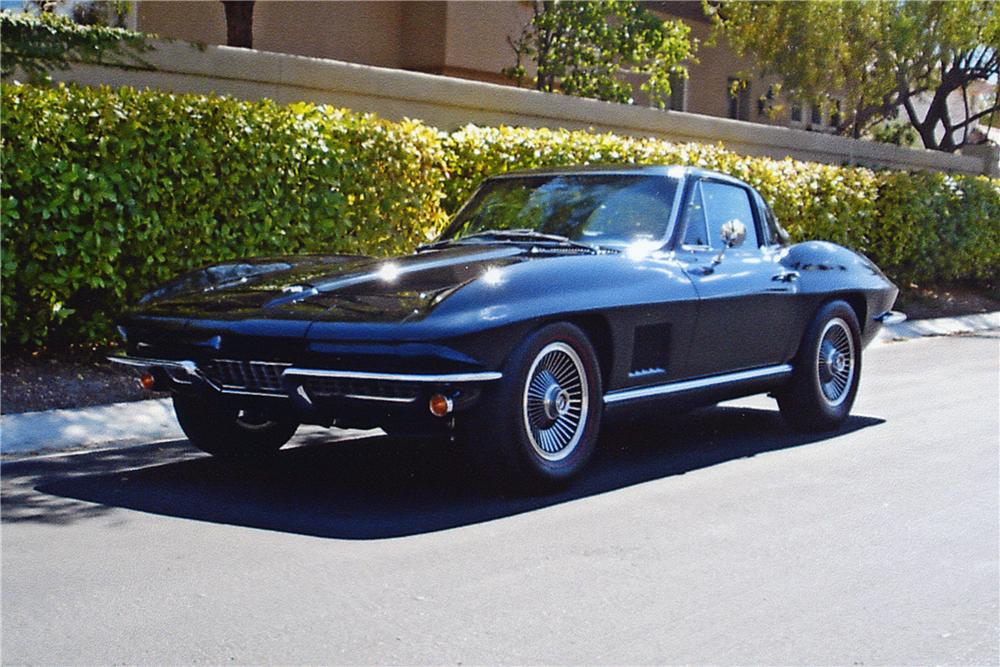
<point>147,381</point>
<point>440,405</point>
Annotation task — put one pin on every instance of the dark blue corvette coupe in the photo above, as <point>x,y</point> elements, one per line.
<point>552,298</point>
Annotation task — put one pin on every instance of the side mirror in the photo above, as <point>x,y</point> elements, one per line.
<point>733,233</point>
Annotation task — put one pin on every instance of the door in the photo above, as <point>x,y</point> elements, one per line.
<point>745,297</point>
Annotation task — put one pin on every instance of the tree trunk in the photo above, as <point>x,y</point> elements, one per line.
<point>239,23</point>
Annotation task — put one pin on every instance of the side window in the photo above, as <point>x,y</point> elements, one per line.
<point>724,202</point>
<point>696,229</point>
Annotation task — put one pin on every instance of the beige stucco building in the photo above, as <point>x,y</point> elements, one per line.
<point>466,39</point>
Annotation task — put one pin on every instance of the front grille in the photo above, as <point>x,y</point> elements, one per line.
<point>394,392</point>
<point>257,376</point>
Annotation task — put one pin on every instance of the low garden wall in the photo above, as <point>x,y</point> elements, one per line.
<point>449,103</point>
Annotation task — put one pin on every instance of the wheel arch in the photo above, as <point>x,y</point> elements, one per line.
<point>857,302</point>
<point>598,331</point>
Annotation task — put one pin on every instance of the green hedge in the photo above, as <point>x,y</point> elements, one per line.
<point>106,193</point>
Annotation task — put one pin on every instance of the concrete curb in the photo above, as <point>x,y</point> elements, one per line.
<point>126,424</point>
<point>121,423</point>
<point>941,326</point>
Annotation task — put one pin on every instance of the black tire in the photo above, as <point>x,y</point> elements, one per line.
<point>529,430</point>
<point>229,432</point>
<point>825,372</point>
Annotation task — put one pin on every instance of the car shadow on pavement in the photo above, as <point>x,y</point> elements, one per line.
<point>373,487</point>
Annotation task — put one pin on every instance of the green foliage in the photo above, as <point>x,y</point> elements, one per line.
<point>38,44</point>
<point>895,132</point>
<point>112,13</point>
<point>879,55</point>
<point>107,193</point>
<point>587,49</point>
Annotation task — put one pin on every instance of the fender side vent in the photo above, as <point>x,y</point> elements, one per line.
<point>650,349</point>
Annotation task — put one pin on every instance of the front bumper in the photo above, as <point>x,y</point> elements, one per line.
<point>317,395</point>
<point>890,317</point>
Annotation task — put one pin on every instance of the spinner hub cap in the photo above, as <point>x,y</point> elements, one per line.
<point>555,401</point>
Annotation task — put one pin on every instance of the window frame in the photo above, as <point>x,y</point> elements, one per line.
<point>740,103</point>
<point>795,113</point>
<point>682,216</point>
<point>774,234</point>
<point>836,115</point>
<point>816,115</point>
<point>678,87</point>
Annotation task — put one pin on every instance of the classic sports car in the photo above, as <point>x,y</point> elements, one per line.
<point>552,298</point>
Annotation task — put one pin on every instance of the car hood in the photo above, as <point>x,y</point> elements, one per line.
<point>332,288</point>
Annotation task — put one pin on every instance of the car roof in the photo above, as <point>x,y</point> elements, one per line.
<point>676,171</point>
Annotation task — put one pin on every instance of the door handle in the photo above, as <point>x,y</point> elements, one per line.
<point>786,276</point>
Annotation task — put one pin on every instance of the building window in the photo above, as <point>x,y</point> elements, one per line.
<point>765,103</point>
<point>796,112</point>
<point>678,92</point>
<point>836,116</point>
<point>738,91</point>
<point>816,115</point>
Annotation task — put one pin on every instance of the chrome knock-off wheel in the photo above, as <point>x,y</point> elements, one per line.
<point>555,401</point>
<point>537,427</point>
<point>835,361</point>
<point>825,373</point>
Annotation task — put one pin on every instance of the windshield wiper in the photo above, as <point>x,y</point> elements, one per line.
<point>512,235</point>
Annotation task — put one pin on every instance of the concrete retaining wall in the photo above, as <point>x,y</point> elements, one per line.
<point>449,103</point>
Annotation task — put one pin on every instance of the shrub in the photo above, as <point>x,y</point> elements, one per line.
<point>109,192</point>
<point>106,193</point>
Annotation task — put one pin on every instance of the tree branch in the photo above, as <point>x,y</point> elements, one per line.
<point>976,116</point>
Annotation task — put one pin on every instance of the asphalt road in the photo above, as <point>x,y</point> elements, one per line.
<point>720,537</point>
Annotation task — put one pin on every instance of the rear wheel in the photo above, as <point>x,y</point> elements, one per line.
<point>826,371</point>
<point>538,426</point>
<point>232,432</point>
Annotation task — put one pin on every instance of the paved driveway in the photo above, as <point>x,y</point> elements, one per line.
<point>717,537</point>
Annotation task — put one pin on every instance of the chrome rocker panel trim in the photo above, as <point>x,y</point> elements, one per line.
<point>699,383</point>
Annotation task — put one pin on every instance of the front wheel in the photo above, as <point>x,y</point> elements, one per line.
<point>232,432</point>
<point>826,371</point>
<point>539,425</point>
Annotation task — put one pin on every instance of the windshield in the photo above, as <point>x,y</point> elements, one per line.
<point>598,209</point>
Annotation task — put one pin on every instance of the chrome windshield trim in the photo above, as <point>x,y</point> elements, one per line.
<point>700,383</point>
<point>485,376</point>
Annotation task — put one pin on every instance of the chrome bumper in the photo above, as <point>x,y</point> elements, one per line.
<point>890,317</point>
<point>292,379</point>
